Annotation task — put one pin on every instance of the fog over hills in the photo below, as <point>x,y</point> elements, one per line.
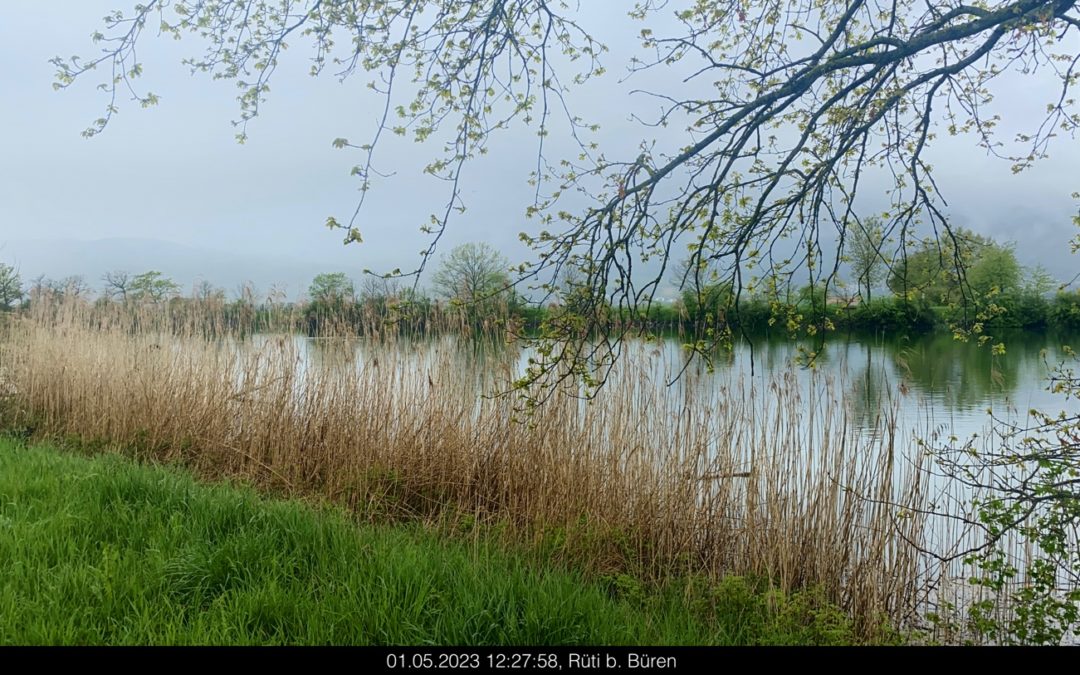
<point>59,258</point>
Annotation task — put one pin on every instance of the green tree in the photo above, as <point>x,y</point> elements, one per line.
<point>1029,305</point>
<point>11,290</point>
<point>1065,310</point>
<point>864,249</point>
<point>995,271</point>
<point>967,268</point>
<point>332,308</point>
<point>332,291</point>
<point>152,286</point>
<point>1037,281</point>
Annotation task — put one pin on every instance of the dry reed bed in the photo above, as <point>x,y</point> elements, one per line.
<point>769,482</point>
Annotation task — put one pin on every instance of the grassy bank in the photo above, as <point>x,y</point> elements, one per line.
<point>100,550</point>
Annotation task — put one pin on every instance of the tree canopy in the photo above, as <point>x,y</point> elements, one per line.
<point>933,271</point>
<point>332,290</point>
<point>152,286</point>
<point>792,112</point>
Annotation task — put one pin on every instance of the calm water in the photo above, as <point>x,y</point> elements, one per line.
<point>936,382</point>
<point>936,385</point>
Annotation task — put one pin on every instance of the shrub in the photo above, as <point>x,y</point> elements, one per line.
<point>1064,313</point>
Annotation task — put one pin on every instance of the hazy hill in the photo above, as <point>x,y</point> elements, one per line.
<point>186,265</point>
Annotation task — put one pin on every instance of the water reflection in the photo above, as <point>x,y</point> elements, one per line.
<point>873,389</point>
<point>329,353</point>
<point>931,382</point>
<point>967,380</point>
<point>934,379</point>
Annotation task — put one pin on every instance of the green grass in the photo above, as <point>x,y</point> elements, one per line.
<point>100,550</point>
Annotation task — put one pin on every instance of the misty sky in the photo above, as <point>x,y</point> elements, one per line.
<point>175,173</point>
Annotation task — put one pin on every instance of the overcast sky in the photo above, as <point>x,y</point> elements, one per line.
<point>174,173</point>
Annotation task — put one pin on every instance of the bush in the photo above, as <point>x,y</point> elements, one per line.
<point>1064,313</point>
<point>1029,311</point>
<point>892,315</point>
<point>753,316</point>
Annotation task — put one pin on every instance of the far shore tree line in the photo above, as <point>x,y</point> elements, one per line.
<point>472,290</point>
